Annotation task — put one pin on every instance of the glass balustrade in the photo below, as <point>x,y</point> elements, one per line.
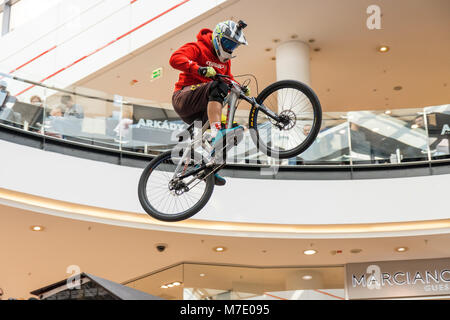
<point>387,137</point>
<point>436,121</point>
<point>86,116</point>
<point>190,281</point>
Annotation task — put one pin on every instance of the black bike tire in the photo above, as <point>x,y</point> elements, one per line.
<point>317,108</point>
<point>168,217</point>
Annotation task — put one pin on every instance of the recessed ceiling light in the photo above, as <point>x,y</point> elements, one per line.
<point>398,88</point>
<point>309,252</point>
<point>307,277</point>
<point>177,283</point>
<point>383,49</point>
<point>164,287</point>
<point>268,49</point>
<point>356,251</point>
<point>220,249</point>
<point>37,228</point>
<point>202,275</point>
<point>388,112</point>
<point>274,58</point>
<point>317,49</point>
<point>312,40</point>
<point>294,36</point>
<point>276,40</point>
<point>401,249</point>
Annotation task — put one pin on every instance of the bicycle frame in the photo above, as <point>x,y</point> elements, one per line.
<point>236,94</point>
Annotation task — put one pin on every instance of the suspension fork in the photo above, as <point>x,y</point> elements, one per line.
<point>196,140</point>
<point>261,108</point>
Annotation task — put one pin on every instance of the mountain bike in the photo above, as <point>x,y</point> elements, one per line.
<point>284,121</point>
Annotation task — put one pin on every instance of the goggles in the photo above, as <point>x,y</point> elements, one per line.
<point>229,45</point>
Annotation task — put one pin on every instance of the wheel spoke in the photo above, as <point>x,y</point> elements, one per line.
<point>294,105</point>
<point>171,202</point>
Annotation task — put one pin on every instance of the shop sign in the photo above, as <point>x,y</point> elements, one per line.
<point>398,279</point>
<point>156,124</point>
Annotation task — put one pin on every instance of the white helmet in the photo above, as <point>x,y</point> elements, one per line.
<point>227,36</point>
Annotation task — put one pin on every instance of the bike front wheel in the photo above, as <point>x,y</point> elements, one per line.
<point>300,119</point>
<point>169,200</point>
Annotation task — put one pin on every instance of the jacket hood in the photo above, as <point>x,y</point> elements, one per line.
<point>205,36</point>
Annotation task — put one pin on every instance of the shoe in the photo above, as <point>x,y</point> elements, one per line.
<point>219,181</point>
<point>222,134</point>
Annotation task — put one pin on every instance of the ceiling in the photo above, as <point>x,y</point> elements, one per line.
<point>348,72</point>
<point>32,260</point>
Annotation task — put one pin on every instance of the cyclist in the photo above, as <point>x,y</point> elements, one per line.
<point>196,95</point>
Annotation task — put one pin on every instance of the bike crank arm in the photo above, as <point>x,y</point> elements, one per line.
<point>203,167</point>
<point>192,173</point>
<point>212,172</point>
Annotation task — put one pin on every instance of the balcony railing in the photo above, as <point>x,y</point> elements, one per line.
<point>140,126</point>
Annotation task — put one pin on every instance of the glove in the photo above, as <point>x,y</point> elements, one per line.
<point>208,72</point>
<point>246,91</point>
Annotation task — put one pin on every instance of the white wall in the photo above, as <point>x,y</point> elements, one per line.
<point>99,184</point>
<point>80,27</point>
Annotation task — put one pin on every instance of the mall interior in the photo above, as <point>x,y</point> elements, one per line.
<point>361,214</point>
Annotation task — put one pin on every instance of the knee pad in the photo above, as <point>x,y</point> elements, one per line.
<point>218,91</point>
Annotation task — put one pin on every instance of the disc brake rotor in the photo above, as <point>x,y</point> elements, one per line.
<point>288,120</point>
<point>178,188</point>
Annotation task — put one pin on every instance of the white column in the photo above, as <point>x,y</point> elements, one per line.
<point>293,62</point>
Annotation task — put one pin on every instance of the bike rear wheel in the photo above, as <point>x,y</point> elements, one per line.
<point>171,202</point>
<point>301,118</point>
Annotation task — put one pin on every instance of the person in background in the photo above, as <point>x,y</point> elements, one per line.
<point>57,112</point>
<point>418,123</point>
<point>72,110</point>
<point>36,100</point>
<point>307,130</point>
<point>5,96</point>
<point>123,128</point>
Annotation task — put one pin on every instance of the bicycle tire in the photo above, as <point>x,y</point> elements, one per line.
<point>154,213</point>
<point>317,109</point>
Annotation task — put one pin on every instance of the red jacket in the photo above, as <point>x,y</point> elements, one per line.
<point>190,57</point>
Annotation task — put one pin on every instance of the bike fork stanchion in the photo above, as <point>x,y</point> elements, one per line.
<point>184,158</point>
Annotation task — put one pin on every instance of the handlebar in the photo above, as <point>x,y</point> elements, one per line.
<point>219,77</point>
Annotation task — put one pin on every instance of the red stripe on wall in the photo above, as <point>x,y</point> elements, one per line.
<point>108,44</point>
<point>30,61</point>
<point>44,53</point>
